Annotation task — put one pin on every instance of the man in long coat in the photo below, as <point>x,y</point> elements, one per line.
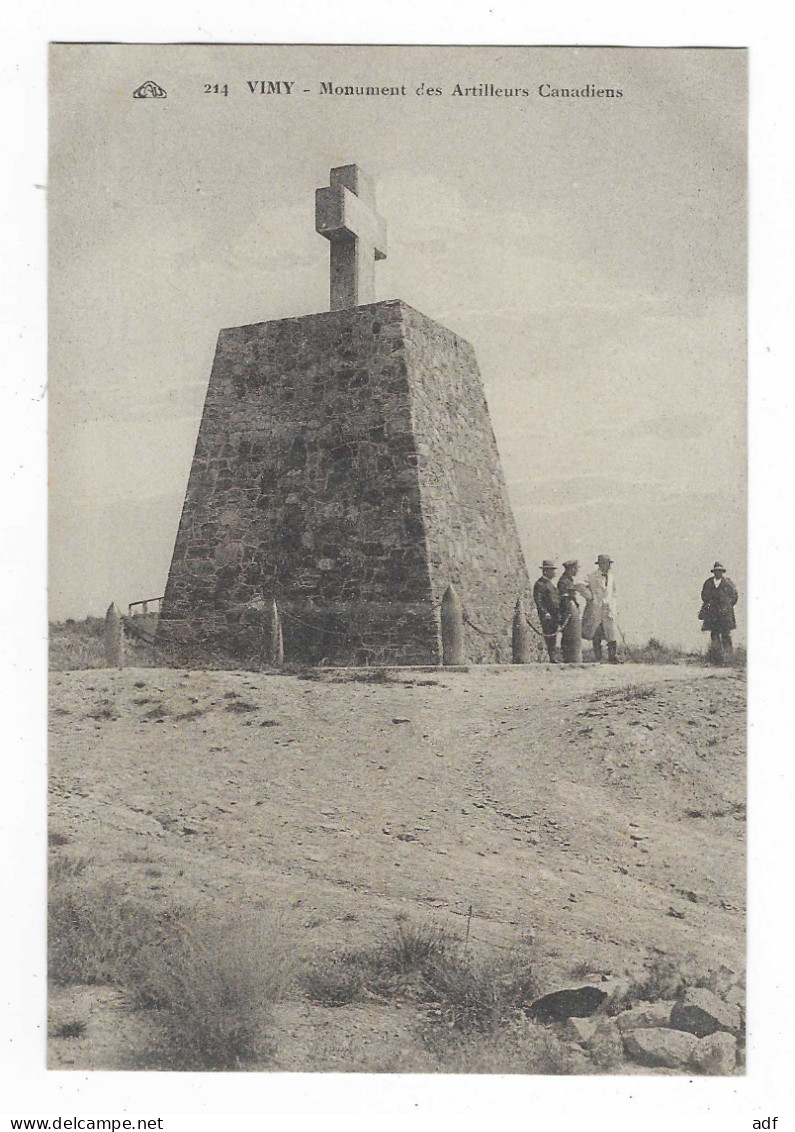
<point>545,595</point>
<point>718,599</point>
<point>600,617</point>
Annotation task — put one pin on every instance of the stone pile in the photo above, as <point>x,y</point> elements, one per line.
<point>698,1032</point>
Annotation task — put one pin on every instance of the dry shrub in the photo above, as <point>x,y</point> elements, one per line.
<point>193,713</point>
<point>422,963</point>
<point>103,710</point>
<point>77,644</point>
<point>400,966</point>
<point>212,990</point>
<point>62,868</point>
<point>80,644</point>
<point>414,948</point>
<point>95,934</point>
<point>209,985</point>
<point>336,981</point>
<point>366,676</point>
<point>655,652</point>
<point>75,1028</point>
<point>518,1046</point>
<point>484,994</point>
<point>628,693</point>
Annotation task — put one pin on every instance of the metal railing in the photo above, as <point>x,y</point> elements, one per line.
<point>142,608</point>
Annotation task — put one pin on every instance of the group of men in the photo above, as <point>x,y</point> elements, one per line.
<point>560,609</point>
<point>588,610</point>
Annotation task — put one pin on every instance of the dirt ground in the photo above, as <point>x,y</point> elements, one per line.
<point>599,810</point>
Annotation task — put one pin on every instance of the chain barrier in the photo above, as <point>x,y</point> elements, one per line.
<point>550,636</point>
<point>289,615</point>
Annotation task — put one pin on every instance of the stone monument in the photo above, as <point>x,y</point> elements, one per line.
<point>346,468</point>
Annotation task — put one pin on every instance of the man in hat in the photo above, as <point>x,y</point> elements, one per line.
<point>601,614</point>
<point>545,595</point>
<point>570,616</point>
<point>718,599</point>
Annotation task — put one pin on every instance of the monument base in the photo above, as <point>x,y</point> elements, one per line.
<point>345,466</point>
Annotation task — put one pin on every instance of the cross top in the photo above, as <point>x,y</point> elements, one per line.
<point>345,214</point>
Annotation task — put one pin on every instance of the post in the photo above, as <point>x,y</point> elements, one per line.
<point>280,645</point>
<point>571,636</point>
<point>520,635</point>
<point>114,638</point>
<point>272,636</point>
<point>452,628</point>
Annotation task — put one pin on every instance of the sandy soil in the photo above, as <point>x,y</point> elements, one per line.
<point>600,810</point>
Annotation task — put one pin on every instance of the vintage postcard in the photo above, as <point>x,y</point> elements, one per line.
<point>397,559</point>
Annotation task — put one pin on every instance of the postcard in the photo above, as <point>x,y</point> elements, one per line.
<point>397,559</point>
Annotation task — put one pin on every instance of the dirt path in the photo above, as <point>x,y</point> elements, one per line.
<point>599,808</point>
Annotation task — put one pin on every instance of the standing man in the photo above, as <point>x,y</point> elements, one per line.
<point>545,595</point>
<point>570,616</point>
<point>718,599</point>
<point>603,609</point>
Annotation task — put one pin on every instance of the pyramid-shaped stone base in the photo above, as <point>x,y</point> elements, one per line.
<point>345,466</point>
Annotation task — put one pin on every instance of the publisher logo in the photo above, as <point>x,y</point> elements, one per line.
<point>149,90</point>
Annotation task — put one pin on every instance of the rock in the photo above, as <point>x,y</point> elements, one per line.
<point>702,1013</point>
<point>725,979</point>
<point>579,1030</point>
<point>606,1045</point>
<point>579,1002</point>
<point>660,1047</point>
<point>735,996</point>
<point>576,1061</point>
<point>645,1016</point>
<point>715,1055</point>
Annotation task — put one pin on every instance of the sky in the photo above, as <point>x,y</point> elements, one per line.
<point>592,251</point>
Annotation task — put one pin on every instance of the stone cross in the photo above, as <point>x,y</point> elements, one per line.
<point>345,214</point>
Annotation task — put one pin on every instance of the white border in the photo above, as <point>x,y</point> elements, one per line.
<point>564,1103</point>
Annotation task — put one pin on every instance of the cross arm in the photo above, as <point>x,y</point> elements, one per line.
<point>340,214</point>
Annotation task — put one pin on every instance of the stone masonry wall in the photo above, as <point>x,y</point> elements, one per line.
<point>322,465</point>
<point>470,529</point>
<point>304,487</point>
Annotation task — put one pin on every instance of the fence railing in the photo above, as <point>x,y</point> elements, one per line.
<point>142,608</point>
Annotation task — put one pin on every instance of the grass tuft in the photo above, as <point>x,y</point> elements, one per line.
<point>422,963</point>
<point>211,991</point>
<point>626,694</point>
<point>61,868</point>
<point>415,948</point>
<point>518,1046</point>
<point>73,1029</point>
<point>95,934</point>
<point>193,713</point>
<point>336,981</point>
<point>208,985</point>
